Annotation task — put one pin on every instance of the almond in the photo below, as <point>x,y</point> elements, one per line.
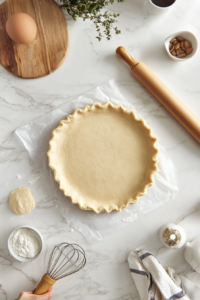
<point>179,38</point>
<point>180,51</point>
<point>174,41</point>
<point>189,50</point>
<point>187,44</point>
<point>180,47</point>
<point>182,55</point>
<point>177,46</point>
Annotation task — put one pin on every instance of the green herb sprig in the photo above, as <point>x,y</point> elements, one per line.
<point>91,9</point>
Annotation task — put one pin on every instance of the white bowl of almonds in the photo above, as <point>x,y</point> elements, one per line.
<point>181,46</point>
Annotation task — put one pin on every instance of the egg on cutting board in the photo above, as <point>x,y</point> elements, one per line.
<point>21,28</point>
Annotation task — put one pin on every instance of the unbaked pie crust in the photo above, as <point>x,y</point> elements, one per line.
<point>103,157</point>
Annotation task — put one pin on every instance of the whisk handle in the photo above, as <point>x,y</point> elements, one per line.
<point>44,285</point>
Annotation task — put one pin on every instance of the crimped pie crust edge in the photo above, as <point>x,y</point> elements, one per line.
<point>111,207</point>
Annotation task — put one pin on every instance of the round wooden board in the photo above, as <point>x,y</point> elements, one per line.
<point>47,52</point>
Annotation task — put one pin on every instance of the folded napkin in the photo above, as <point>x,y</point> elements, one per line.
<point>154,283</point>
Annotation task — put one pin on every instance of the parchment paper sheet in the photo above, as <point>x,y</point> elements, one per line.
<point>35,137</point>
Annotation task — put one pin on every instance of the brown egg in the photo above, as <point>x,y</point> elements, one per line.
<point>21,28</point>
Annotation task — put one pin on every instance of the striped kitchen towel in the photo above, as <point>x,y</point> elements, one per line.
<point>151,279</point>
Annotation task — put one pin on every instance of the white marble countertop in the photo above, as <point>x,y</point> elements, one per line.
<point>88,64</point>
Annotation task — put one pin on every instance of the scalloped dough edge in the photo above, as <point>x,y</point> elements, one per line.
<point>130,201</point>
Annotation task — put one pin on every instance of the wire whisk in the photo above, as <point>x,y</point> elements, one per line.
<point>65,259</point>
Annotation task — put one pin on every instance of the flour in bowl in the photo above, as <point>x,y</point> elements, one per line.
<point>26,243</point>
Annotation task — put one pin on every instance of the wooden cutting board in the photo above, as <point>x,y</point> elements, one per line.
<point>47,52</point>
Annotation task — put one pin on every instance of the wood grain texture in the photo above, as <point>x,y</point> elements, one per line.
<point>162,93</point>
<point>47,52</point>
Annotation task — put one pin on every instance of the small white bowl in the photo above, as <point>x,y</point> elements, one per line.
<point>186,35</point>
<point>155,9</point>
<point>17,257</point>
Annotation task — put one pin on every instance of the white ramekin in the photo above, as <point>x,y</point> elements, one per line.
<point>17,257</point>
<point>186,35</point>
<point>157,10</point>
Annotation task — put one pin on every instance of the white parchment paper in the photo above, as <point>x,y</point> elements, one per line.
<point>35,137</point>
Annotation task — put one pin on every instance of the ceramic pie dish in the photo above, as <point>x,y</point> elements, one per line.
<point>103,157</point>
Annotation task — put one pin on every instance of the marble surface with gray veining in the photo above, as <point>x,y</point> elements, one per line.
<point>88,64</point>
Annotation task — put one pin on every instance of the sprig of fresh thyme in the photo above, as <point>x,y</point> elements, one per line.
<point>91,9</point>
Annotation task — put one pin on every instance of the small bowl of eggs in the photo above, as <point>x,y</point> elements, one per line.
<point>21,28</point>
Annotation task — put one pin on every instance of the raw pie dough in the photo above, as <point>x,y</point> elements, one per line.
<point>21,201</point>
<point>103,157</point>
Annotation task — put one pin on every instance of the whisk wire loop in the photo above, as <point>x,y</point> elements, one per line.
<point>62,263</point>
<point>65,259</point>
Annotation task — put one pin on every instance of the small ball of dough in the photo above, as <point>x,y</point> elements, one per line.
<point>21,201</point>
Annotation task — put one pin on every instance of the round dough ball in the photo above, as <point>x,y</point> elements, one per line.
<point>21,201</point>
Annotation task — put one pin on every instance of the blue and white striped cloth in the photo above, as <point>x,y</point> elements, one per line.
<point>154,283</point>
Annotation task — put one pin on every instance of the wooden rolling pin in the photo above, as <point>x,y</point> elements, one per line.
<point>162,93</point>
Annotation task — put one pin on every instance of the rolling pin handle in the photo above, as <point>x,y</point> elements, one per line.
<point>125,56</point>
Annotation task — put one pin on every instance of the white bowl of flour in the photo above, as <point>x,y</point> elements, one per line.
<point>25,243</point>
